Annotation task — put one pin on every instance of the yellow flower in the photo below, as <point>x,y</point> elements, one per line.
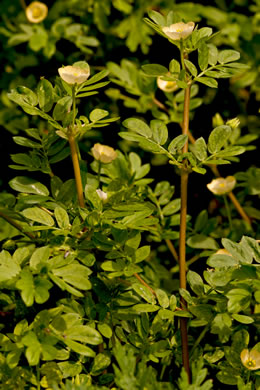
<point>250,359</point>
<point>221,185</point>
<point>103,153</point>
<point>179,30</point>
<point>73,74</point>
<point>36,12</point>
<point>102,195</point>
<point>233,123</point>
<point>166,86</point>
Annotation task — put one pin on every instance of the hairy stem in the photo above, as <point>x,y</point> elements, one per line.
<point>182,246</point>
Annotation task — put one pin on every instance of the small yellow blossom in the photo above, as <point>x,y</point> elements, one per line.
<point>233,123</point>
<point>102,195</point>
<point>179,30</point>
<point>166,86</point>
<point>221,185</point>
<point>73,74</point>
<point>36,12</point>
<point>103,153</point>
<point>250,359</point>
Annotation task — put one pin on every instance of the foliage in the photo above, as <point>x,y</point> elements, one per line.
<point>90,293</point>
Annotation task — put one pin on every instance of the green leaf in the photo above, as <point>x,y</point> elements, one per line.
<point>195,282</point>
<point>62,217</point>
<point>26,285</point>
<point>203,55</point>
<point>238,300</point>
<point>174,66</point>
<point>9,267</point>
<point>177,143</point>
<point>105,330</point>
<point>243,319</point>
<point>38,215</point>
<point>23,96</point>
<point>28,185</point>
<point>154,70</point>
<point>62,108</point>
<point>97,77</point>
<point>162,298</point>
<point>98,114</point>
<point>200,149</point>
<point>39,39</point>
<point>231,151</point>
<point>45,95</point>
<point>251,246</point>
<point>157,17</point>
<point>142,253</point>
<point>213,54</point>
<point>74,274</point>
<point>201,241</point>
<point>33,349</point>
<point>101,362</point>
<point>26,142</point>
<point>220,261</point>
<point>160,132</point>
<point>144,308</point>
<point>239,251</point>
<point>39,258</point>
<point>172,207</point>
<point>228,56</point>
<point>208,81</point>
<point>84,334</point>
<point>218,137</point>
<point>201,221</point>
<point>144,292</point>
<point>200,170</point>
<point>191,67</point>
<point>80,348</point>
<point>138,126</point>
<point>150,145</point>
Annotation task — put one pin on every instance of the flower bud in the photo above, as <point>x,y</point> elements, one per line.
<point>217,120</point>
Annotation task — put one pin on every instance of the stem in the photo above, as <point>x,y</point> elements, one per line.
<point>99,170</point>
<point>182,246</point>
<point>228,211</point>
<point>16,225</point>
<point>75,162</point>
<point>239,208</point>
<point>23,4</point>
<point>172,249</point>
<point>145,284</point>
<point>75,152</point>
<point>197,342</point>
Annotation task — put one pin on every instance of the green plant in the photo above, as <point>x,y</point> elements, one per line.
<point>92,302</point>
